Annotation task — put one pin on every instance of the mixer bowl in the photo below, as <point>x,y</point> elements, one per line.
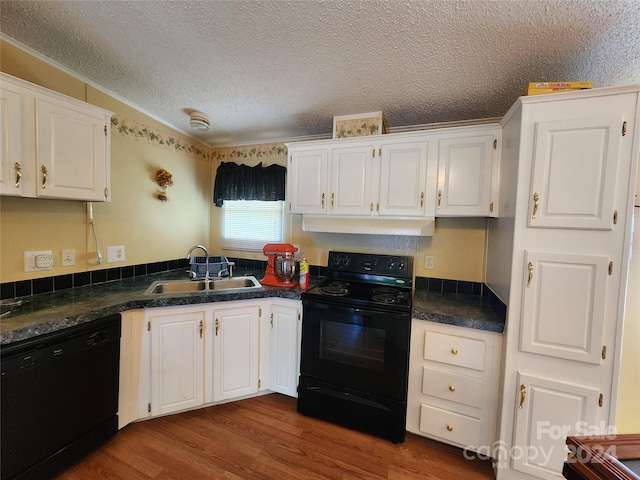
<point>285,269</point>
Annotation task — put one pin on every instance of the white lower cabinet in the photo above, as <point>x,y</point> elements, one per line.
<point>550,409</point>
<point>284,346</point>
<point>177,360</point>
<point>236,350</point>
<point>453,384</point>
<point>183,357</point>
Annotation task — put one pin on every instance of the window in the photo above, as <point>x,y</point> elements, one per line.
<point>249,224</point>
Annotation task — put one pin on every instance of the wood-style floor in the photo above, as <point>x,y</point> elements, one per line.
<point>265,438</point>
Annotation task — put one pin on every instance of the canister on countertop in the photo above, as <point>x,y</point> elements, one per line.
<point>304,274</point>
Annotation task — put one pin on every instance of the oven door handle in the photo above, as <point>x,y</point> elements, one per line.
<point>337,307</point>
<point>348,397</point>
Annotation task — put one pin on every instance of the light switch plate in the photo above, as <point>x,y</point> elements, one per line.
<point>429,261</point>
<point>115,254</point>
<point>68,257</point>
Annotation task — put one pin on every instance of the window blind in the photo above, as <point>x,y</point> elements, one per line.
<point>249,224</point>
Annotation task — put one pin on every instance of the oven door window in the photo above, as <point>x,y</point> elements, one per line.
<point>352,343</point>
<point>362,349</point>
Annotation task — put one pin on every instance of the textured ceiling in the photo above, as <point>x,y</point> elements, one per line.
<point>273,70</point>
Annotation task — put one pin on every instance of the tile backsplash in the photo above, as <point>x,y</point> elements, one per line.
<point>26,288</point>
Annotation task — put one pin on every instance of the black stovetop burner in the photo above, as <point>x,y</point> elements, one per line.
<point>366,280</point>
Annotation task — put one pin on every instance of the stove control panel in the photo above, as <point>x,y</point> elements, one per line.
<point>375,264</point>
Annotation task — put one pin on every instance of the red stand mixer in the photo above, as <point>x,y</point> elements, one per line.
<point>281,266</point>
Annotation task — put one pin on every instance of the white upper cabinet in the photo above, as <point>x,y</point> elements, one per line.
<point>352,180</point>
<point>403,179</point>
<point>466,168</point>
<point>582,153</point>
<point>307,180</point>
<point>53,146</point>
<point>398,175</point>
<point>11,143</point>
<point>382,175</point>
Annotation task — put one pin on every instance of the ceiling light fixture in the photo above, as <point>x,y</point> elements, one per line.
<point>199,121</point>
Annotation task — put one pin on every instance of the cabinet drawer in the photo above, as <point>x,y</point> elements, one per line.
<point>454,350</point>
<point>452,386</point>
<point>451,427</point>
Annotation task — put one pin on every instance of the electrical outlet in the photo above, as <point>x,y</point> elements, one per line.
<point>36,261</point>
<point>429,261</point>
<point>115,254</point>
<point>68,257</point>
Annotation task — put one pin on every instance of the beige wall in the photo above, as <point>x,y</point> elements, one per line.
<point>150,230</point>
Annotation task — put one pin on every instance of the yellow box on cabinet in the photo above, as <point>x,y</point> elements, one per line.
<point>359,125</point>
<point>538,88</point>
<point>570,85</point>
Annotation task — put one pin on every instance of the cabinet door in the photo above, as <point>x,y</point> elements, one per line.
<point>351,180</point>
<point>307,179</point>
<point>403,179</point>
<point>11,141</point>
<point>563,308</point>
<point>284,361</point>
<point>574,173</point>
<point>549,410</point>
<point>71,152</point>
<point>464,175</point>
<point>177,361</point>
<point>236,351</point>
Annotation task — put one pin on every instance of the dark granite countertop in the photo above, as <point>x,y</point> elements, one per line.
<point>463,310</point>
<point>50,312</point>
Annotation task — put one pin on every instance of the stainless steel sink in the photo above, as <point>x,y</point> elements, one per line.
<point>168,287</point>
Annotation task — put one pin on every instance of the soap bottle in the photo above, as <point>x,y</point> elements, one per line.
<point>304,274</point>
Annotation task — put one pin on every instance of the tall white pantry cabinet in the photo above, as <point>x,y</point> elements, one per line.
<point>568,174</point>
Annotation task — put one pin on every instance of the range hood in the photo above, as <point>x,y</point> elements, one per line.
<point>413,227</point>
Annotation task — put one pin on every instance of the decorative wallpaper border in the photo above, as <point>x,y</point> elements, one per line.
<point>131,128</point>
<point>137,130</point>
<point>265,150</point>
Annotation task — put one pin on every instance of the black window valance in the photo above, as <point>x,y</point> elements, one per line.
<point>241,182</point>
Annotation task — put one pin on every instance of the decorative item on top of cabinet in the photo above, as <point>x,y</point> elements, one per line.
<point>54,146</point>
<point>468,166</point>
<point>453,384</point>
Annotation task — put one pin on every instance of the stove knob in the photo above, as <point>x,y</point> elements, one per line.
<point>391,264</point>
<point>346,261</point>
<point>336,260</point>
<point>401,265</point>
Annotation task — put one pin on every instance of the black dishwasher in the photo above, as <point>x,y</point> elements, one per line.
<point>59,395</point>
